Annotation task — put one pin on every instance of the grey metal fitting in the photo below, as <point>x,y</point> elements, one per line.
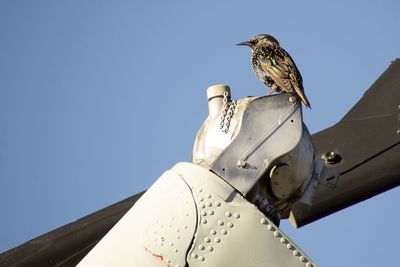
<point>263,141</point>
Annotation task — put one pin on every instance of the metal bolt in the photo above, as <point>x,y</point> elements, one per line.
<point>241,163</point>
<point>331,157</point>
<point>292,99</point>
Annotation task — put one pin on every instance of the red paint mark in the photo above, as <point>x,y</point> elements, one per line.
<point>155,255</point>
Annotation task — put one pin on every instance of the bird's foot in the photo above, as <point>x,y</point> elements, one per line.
<point>270,92</point>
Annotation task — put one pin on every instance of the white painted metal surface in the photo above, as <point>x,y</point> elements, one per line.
<point>156,231</point>
<point>191,217</point>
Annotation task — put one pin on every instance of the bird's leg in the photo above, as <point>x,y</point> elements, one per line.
<point>270,92</point>
<point>274,88</point>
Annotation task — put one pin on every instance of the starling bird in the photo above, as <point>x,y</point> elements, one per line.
<point>274,67</point>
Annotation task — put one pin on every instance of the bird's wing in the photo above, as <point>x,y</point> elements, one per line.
<point>282,69</point>
<point>272,65</point>
<point>295,78</point>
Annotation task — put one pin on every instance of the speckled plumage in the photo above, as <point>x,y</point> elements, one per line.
<point>274,67</point>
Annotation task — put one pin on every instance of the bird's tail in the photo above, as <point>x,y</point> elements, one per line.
<point>303,97</point>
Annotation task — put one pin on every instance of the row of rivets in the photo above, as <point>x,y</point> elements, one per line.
<point>284,241</point>
<point>195,256</point>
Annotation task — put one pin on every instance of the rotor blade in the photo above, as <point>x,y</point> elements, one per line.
<point>368,141</point>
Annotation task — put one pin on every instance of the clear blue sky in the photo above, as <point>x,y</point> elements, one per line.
<point>98,98</point>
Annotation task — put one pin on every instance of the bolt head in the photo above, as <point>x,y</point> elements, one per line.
<point>292,99</point>
<point>241,163</point>
<point>331,157</point>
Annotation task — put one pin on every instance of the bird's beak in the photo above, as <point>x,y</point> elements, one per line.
<point>248,43</point>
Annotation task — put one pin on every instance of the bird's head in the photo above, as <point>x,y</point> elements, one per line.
<point>260,39</point>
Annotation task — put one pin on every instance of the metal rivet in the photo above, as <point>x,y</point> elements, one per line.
<point>210,248</point>
<point>292,99</point>
<point>203,213</point>
<point>289,246</point>
<point>209,196</point>
<point>309,264</point>
<point>207,240</point>
<point>213,232</point>
<point>200,190</point>
<point>230,225</point>
<point>209,204</point>
<point>277,234</point>
<point>210,212</point>
<point>263,221</point>
<point>217,240</point>
<point>302,258</point>
<point>202,205</point>
<point>296,253</point>
<point>175,250</point>
<point>236,215</point>
<point>217,203</point>
<point>270,228</point>
<point>283,240</point>
<point>220,222</point>
<point>224,232</point>
<point>228,214</point>
<point>201,247</point>
<point>178,237</point>
<point>194,255</point>
<point>203,221</point>
<point>171,244</point>
<point>201,258</point>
